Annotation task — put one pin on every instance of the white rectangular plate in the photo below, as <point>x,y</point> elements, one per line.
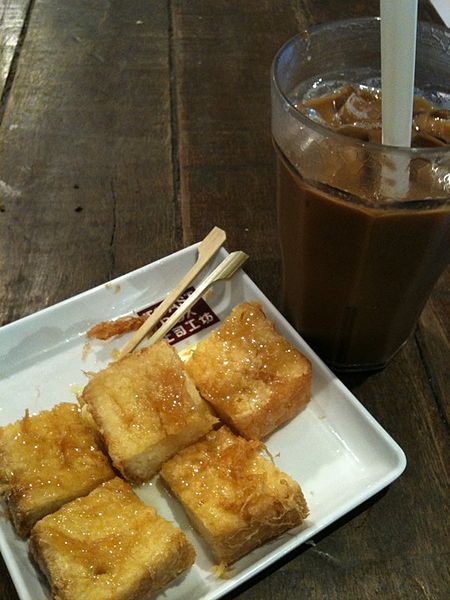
<point>335,449</point>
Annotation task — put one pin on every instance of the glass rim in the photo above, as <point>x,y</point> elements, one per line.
<point>413,152</point>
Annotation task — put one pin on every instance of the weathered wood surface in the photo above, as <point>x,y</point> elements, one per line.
<point>127,130</point>
<point>85,151</point>
<point>13,21</point>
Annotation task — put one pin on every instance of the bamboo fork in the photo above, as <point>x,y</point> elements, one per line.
<point>206,251</point>
<point>224,271</point>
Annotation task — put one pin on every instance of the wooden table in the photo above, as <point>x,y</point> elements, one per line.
<point>127,129</point>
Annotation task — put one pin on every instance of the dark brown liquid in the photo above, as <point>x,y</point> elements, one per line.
<point>355,278</point>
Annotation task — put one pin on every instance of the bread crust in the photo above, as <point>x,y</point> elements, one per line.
<point>252,376</point>
<point>109,545</point>
<point>235,498</point>
<point>47,460</point>
<point>146,408</point>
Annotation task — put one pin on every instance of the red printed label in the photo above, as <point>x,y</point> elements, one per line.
<point>199,317</point>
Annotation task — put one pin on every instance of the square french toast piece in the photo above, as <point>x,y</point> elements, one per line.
<point>47,460</point>
<point>146,408</point>
<point>235,498</point>
<point>252,376</point>
<point>109,545</point>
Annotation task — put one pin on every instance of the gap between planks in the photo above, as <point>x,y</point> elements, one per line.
<point>14,62</point>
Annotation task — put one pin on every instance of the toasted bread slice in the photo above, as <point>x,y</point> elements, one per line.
<point>109,545</point>
<point>235,498</point>
<point>46,460</point>
<point>252,376</point>
<point>147,409</point>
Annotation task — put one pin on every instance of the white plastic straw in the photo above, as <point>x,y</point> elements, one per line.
<point>398,57</point>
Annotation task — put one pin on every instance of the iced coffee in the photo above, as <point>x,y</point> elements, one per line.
<point>360,255</point>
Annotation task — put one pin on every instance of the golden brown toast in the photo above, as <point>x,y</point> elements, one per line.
<point>235,498</point>
<point>109,545</point>
<point>146,408</point>
<point>46,460</point>
<point>253,377</point>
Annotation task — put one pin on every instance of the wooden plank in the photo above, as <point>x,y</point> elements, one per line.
<point>223,52</point>
<point>85,151</point>
<point>13,14</point>
<point>311,12</point>
<point>433,338</point>
<point>393,546</point>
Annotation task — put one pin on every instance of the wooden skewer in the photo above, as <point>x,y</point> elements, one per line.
<point>225,270</point>
<point>206,250</point>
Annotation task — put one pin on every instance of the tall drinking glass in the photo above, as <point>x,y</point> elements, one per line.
<point>361,250</point>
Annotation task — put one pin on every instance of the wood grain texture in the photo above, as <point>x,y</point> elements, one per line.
<point>311,12</point>
<point>85,151</point>
<point>13,17</point>
<point>223,52</point>
<point>433,338</point>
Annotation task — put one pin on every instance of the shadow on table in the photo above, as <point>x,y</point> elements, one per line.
<point>307,546</point>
